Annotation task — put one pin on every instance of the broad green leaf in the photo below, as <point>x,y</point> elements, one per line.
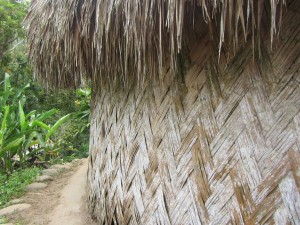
<point>14,136</point>
<point>41,140</point>
<point>56,125</point>
<point>41,124</point>
<point>40,157</point>
<point>22,117</point>
<point>11,145</point>
<point>47,114</point>
<point>7,84</point>
<point>3,124</point>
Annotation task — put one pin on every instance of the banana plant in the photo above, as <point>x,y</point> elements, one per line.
<point>40,132</point>
<point>46,148</point>
<point>20,131</point>
<point>9,141</point>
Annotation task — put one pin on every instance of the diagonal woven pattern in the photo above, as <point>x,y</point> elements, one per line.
<point>220,147</point>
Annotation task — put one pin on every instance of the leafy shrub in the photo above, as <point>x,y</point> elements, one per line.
<point>73,136</point>
<point>20,131</point>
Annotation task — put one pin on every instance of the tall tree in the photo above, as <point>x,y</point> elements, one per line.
<point>12,14</point>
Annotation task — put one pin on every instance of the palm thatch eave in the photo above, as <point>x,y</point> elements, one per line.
<point>112,41</point>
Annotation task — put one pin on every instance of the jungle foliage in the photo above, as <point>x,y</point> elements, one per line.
<point>24,137</point>
<point>37,125</point>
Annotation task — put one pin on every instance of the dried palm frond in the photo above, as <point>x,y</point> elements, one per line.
<point>108,41</point>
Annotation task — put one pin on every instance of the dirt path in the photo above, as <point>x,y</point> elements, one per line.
<point>63,202</point>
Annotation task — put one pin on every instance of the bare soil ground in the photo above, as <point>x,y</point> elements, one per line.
<point>63,202</point>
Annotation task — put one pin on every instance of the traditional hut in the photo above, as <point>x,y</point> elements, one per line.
<point>195,108</point>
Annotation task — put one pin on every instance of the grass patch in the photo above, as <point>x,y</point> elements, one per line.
<point>3,220</point>
<point>14,185</point>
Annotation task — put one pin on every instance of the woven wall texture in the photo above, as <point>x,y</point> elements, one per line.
<point>219,146</point>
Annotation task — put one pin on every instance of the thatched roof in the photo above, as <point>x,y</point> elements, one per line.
<point>112,40</point>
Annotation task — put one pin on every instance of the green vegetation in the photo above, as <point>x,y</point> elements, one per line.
<point>13,187</point>
<point>12,14</point>
<point>21,131</point>
<point>36,125</point>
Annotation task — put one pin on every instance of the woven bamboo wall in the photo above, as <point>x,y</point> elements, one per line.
<point>220,147</point>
